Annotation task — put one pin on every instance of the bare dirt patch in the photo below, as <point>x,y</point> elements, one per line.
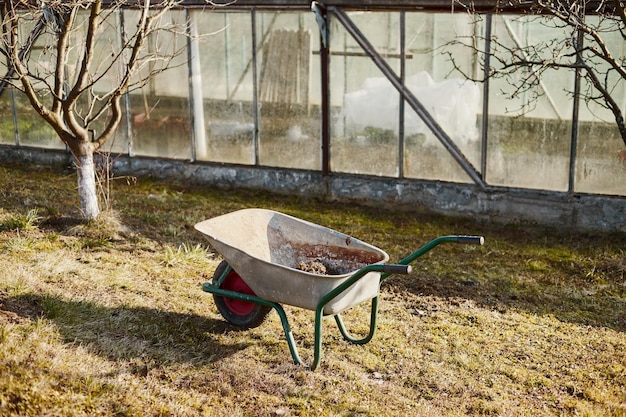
<point>18,310</point>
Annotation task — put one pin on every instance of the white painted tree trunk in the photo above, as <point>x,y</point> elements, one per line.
<point>87,195</point>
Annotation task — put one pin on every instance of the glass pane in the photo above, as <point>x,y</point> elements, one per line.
<point>601,153</point>
<point>529,129</point>
<point>454,102</point>
<point>42,62</point>
<point>106,72</point>
<point>32,129</point>
<point>226,82</point>
<point>440,43</point>
<point>601,159</point>
<point>365,104</point>
<point>161,124</point>
<point>108,40</point>
<point>288,117</point>
<point>7,128</point>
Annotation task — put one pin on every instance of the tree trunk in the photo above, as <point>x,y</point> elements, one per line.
<point>87,195</point>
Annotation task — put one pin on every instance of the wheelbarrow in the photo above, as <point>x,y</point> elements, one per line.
<point>273,259</point>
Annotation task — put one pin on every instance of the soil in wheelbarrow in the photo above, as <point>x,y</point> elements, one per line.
<point>331,260</point>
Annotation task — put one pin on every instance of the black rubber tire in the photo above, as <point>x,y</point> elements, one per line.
<point>240,313</point>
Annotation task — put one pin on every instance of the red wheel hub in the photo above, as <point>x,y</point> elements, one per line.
<point>233,282</point>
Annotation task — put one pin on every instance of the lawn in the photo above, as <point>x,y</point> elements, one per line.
<point>109,318</point>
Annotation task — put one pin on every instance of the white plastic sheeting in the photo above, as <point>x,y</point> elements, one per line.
<point>453,103</point>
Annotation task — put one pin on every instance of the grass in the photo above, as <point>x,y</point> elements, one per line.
<point>110,319</point>
<point>19,221</point>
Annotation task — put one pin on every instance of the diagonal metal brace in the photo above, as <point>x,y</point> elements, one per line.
<point>410,98</point>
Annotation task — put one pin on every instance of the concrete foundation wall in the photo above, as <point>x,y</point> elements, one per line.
<point>506,205</point>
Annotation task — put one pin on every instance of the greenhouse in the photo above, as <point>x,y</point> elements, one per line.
<point>361,90</point>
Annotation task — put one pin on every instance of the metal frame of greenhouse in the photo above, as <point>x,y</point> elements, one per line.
<point>478,198</point>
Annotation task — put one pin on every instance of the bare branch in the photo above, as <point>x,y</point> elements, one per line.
<point>148,22</point>
<point>92,27</point>
<point>604,71</point>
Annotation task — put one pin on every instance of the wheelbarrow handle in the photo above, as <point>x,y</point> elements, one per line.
<point>397,269</point>
<point>471,240</point>
<point>475,240</point>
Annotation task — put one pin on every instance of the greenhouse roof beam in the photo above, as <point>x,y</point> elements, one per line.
<point>479,6</point>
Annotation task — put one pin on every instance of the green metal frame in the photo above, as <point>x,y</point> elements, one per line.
<point>386,270</point>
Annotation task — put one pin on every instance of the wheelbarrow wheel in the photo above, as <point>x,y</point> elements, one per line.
<point>240,313</point>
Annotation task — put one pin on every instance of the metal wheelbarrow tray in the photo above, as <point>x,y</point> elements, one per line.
<point>271,258</point>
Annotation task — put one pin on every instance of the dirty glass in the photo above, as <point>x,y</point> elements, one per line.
<point>7,129</point>
<point>160,120</point>
<point>226,123</point>
<point>32,129</point>
<point>108,40</point>
<point>289,112</point>
<point>601,158</point>
<point>435,74</point>
<point>365,105</point>
<point>529,131</point>
<point>601,152</point>
<point>106,72</point>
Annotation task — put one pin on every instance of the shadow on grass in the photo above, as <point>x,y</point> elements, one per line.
<point>565,303</point>
<point>127,333</point>
<point>575,277</point>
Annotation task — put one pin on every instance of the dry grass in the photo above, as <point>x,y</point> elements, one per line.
<point>103,320</point>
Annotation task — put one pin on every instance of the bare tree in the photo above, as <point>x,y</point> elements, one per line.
<point>582,29</point>
<point>76,77</point>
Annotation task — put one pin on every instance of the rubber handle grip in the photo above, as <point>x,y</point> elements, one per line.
<point>471,240</point>
<point>397,269</point>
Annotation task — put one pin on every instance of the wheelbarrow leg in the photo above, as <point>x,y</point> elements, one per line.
<point>386,269</point>
<point>373,319</point>
<point>293,349</point>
